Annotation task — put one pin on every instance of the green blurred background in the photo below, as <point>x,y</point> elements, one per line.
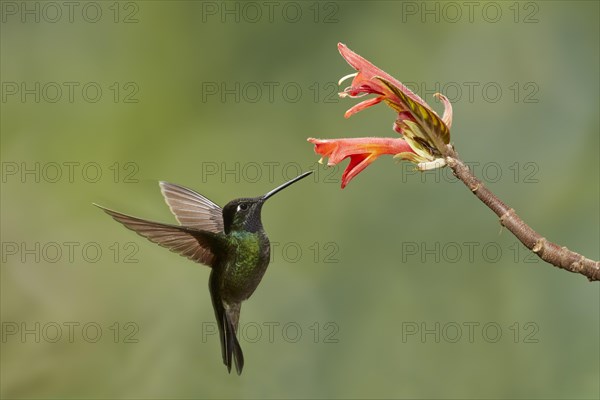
<point>373,291</point>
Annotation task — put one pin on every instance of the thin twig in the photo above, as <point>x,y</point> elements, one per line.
<point>552,253</point>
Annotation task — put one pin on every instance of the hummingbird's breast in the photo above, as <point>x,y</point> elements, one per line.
<point>246,264</point>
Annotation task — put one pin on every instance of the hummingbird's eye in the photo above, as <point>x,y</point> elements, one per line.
<point>242,207</point>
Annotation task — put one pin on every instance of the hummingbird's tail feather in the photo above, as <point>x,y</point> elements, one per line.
<point>227,322</point>
<point>190,243</point>
<point>233,350</point>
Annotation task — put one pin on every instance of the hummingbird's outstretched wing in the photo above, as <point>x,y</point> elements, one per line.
<point>191,208</point>
<point>191,243</point>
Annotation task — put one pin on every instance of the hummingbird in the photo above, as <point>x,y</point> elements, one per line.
<point>231,241</point>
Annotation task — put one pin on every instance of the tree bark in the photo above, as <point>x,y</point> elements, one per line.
<point>552,253</point>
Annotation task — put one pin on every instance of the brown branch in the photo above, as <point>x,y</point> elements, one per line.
<point>552,253</point>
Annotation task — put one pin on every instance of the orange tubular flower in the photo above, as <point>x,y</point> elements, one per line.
<point>362,152</point>
<point>424,133</point>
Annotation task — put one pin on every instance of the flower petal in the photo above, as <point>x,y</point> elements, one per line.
<point>434,130</point>
<point>362,152</point>
<point>447,117</point>
<point>323,147</point>
<point>367,73</point>
<point>357,163</point>
<point>362,105</point>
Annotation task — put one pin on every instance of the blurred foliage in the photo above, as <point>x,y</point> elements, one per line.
<point>540,135</point>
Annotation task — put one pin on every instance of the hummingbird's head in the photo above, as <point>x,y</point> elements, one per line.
<point>244,214</point>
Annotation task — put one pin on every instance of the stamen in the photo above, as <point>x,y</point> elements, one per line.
<point>346,94</point>
<point>346,77</point>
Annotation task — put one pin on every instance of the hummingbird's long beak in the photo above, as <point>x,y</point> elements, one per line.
<point>288,183</point>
